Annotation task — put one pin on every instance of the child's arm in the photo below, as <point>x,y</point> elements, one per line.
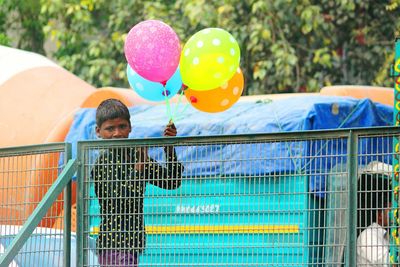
<point>169,177</point>
<point>108,173</point>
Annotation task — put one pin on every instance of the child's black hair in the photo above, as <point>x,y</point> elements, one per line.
<point>111,109</point>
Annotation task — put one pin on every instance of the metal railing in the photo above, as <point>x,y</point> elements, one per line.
<point>284,199</point>
<point>35,205</point>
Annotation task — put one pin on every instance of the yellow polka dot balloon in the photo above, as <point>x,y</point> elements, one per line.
<point>218,99</point>
<point>209,59</point>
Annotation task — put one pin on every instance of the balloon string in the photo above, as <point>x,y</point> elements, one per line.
<point>177,104</point>
<point>169,114</point>
<point>185,108</point>
<point>183,111</point>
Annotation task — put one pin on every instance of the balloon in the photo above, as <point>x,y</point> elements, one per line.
<point>152,49</point>
<point>209,59</point>
<point>218,99</point>
<point>154,91</point>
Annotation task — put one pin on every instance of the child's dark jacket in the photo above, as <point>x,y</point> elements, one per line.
<point>120,185</point>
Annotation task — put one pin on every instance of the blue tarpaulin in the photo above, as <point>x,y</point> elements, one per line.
<point>298,113</point>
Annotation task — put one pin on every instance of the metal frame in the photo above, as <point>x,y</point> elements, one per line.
<point>63,182</point>
<point>352,136</point>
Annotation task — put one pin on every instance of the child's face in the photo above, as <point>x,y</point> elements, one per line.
<point>115,128</point>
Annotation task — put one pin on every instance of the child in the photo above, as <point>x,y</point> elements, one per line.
<point>120,176</point>
<point>374,205</point>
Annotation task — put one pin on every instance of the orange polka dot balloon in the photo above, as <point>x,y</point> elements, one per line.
<point>218,99</point>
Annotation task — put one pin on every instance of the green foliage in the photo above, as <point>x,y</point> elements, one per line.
<point>21,25</point>
<point>90,35</point>
<point>286,45</point>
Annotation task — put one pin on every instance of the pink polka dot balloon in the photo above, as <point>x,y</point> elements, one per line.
<point>152,49</point>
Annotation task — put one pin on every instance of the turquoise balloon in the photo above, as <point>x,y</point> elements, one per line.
<point>154,91</point>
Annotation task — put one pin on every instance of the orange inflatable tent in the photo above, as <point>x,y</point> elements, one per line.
<point>382,95</point>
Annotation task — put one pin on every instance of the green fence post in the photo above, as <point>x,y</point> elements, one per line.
<point>352,150</point>
<point>67,214</point>
<point>395,178</point>
<point>79,207</point>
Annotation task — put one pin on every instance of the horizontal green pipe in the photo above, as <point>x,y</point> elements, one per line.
<point>32,149</point>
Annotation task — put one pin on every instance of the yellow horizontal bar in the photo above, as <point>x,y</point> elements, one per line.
<point>222,229</point>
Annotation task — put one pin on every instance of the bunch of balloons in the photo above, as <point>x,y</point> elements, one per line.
<point>207,68</point>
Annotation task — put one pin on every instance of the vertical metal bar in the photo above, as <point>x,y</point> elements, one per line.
<point>352,150</point>
<point>79,206</point>
<point>67,225</point>
<point>67,213</point>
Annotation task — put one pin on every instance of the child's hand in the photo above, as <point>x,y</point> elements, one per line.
<point>143,154</point>
<point>170,129</point>
<point>141,158</point>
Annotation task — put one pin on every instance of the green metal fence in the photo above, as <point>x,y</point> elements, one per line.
<point>287,199</point>
<point>35,205</point>
<point>318,198</point>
